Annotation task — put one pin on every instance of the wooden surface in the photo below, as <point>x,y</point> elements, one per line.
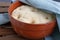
<point>3,9</point>
<point>5,2</point>
<point>7,33</point>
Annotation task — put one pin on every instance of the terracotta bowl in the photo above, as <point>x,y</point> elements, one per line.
<point>31,31</point>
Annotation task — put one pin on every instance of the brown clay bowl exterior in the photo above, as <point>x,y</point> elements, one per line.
<point>31,31</point>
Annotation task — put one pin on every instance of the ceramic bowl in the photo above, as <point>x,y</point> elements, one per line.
<point>30,31</point>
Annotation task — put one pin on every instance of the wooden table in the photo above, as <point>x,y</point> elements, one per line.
<point>7,33</point>
<point>4,4</point>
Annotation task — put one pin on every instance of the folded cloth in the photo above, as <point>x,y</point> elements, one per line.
<point>4,18</point>
<point>49,5</point>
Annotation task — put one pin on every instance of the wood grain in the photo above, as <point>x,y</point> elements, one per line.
<point>7,33</point>
<point>3,9</point>
<point>5,3</point>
